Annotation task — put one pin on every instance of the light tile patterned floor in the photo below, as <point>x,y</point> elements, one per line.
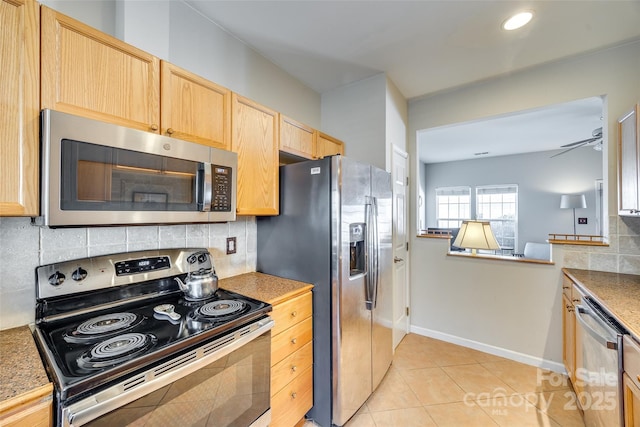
<point>434,383</point>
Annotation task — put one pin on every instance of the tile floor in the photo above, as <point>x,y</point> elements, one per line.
<point>434,383</point>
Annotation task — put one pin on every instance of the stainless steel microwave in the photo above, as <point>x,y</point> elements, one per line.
<point>96,173</point>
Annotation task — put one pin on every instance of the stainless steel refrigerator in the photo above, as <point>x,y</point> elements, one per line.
<point>334,231</point>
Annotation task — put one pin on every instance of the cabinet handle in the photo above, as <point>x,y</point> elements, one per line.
<point>294,368</point>
<point>570,310</point>
<point>565,287</point>
<point>170,131</point>
<point>576,300</point>
<point>294,395</point>
<point>294,313</point>
<point>294,340</point>
<point>154,127</point>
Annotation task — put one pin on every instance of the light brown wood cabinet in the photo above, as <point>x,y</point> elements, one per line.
<point>571,296</point>
<point>327,145</point>
<point>193,108</point>
<point>291,361</point>
<point>629,162</point>
<point>19,107</point>
<point>255,132</point>
<point>92,74</point>
<point>32,409</point>
<point>297,138</point>
<point>631,382</point>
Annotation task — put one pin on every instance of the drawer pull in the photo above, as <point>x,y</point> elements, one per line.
<point>294,313</point>
<point>576,300</point>
<point>153,127</point>
<point>565,287</point>
<point>294,368</point>
<point>294,340</point>
<point>294,395</point>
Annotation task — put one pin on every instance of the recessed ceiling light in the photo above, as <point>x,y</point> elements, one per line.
<point>518,20</point>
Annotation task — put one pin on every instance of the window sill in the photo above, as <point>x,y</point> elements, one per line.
<point>500,258</point>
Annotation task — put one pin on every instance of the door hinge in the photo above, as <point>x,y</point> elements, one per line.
<point>407,246</point>
<point>407,310</point>
<point>407,181</point>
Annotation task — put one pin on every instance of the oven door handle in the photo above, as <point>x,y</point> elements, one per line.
<point>580,310</point>
<point>114,397</point>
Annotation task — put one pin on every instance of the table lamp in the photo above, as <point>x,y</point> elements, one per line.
<point>573,201</point>
<point>476,235</point>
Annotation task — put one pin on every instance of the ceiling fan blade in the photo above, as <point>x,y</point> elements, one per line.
<point>566,151</point>
<point>584,141</point>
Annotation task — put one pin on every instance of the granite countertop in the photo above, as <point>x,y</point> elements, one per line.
<point>618,293</point>
<point>21,369</point>
<point>264,287</point>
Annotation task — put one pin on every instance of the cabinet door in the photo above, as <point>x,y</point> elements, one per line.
<point>255,139</point>
<point>296,138</point>
<point>194,109</point>
<point>327,146</point>
<point>92,74</point>
<point>568,337</point>
<point>19,107</point>
<point>631,395</point>
<point>628,166</point>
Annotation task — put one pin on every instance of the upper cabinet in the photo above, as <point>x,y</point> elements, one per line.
<point>255,131</point>
<point>629,163</point>
<point>19,107</point>
<point>194,109</point>
<point>327,146</point>
<point>297,138</point>
<point>92,74</point>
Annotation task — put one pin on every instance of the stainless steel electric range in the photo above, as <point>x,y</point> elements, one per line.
<point>124,345</point>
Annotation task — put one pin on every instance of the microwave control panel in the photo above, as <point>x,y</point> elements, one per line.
<point>221,200</point>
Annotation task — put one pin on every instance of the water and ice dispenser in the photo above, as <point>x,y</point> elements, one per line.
<point>357,258</point>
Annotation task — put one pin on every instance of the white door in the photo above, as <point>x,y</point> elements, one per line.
<point>399,173</point>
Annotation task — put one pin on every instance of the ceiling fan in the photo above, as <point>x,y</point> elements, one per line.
<point>596,135</point>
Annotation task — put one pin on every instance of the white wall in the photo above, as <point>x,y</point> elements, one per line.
<point>541,181</point>
<point>356,114</point>
<point>612,72</point>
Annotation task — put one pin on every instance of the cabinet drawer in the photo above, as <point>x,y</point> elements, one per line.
<point>289,405</point>
<point>290,340</point>
<point>290,367</point>
<point>290,312</point>
<point>631,358</point>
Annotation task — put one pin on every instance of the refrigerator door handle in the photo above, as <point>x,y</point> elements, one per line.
<point>376,252</point>
<point>369,239</point>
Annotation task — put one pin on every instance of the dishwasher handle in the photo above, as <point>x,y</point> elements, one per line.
<point>580,310</point>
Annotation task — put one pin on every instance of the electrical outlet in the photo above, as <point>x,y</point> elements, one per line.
<point>231,245</point>
<point>582,220</point>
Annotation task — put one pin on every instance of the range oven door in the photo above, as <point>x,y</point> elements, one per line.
<point>225,382</point>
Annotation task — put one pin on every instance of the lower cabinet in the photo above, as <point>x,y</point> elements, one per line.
<point>33,409</point>
<point>631,382</point>
<point>569,327</point>
<point>291,361</point>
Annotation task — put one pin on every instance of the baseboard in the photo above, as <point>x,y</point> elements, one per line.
<point>496,351</point>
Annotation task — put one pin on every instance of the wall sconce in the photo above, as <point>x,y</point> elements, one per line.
<point>476,235</point>
<point>575,201</point>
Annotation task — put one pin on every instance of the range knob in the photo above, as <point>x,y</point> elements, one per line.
<point>56,279</point>
<point>79,274</point>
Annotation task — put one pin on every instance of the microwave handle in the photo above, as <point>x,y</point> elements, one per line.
<point>204,189</point>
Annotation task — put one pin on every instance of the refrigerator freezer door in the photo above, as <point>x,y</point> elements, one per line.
<point>382,344</point>
<point>351,318</point>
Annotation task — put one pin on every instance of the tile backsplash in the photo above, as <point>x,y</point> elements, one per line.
<point>621,256</point>
<point>24,246</point>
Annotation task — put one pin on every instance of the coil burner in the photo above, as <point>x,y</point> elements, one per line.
<point>116,350</point>
<point>98,328</point>
<point>221,308</point>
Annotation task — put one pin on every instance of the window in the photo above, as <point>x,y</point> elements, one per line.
<point>498,204</point>
<point>453,206</point>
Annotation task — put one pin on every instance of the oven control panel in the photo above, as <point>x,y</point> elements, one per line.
<point>105,271</point>
<point>136,266</point>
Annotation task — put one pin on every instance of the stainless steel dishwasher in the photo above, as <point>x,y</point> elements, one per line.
<point>598,365</point>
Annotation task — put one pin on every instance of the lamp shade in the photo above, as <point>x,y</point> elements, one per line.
<point>476,235</point>
<point>573,201</point>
